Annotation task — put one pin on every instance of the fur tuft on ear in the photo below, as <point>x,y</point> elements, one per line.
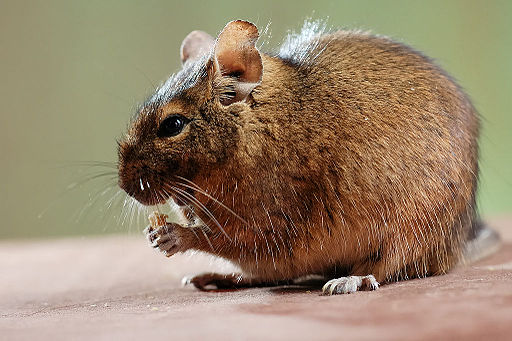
<point>195,45</point>
<point>237,57</point>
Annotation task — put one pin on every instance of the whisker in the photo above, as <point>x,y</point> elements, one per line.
<point>132,211</point>
<point>73,186</point>
<point>193,230</point>
<point>92,200</point>
<point>202,208</point>
<point>91,164</point>
<point>208,240</point>
<point>108,206</point>
<point>198,189</point>
<point>112,175</point>
<point>114,200</point>
<point>125,208</point>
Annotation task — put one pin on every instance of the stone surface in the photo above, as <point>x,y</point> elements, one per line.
<point>117,287</point>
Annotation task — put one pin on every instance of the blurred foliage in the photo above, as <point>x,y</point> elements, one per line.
<point>73,72</point>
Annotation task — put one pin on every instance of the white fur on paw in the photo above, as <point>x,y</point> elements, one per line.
<point>350,284</point>
<point>147,232</point>
<point>186,280</point>
<point>150,233</point>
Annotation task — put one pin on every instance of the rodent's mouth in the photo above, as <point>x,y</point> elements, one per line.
<point>147,192</point>
<point>148,196</point>
<point>145,195</point>
<point>150,199</point>
<point>148,186</point>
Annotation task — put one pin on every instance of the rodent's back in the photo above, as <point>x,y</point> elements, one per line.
<point>381,145</point>
<point>395,112</point>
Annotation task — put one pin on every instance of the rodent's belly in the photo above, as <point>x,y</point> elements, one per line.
<point>325,255</point>
<point>398,239</point>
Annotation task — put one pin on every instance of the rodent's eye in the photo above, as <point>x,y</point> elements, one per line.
<point>172,126</point>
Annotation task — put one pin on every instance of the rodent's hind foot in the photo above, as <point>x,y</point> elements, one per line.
<point>211,281</point>
<point>350,284</point>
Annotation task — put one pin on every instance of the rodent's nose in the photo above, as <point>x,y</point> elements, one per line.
<point>127,172</point>
<point>140,173</point>
<point>138,182</point>
<point>138,177</point>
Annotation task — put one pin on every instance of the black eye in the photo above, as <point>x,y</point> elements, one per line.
<point>172,126</point>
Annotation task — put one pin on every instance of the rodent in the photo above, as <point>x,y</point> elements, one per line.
<point>345,154</point>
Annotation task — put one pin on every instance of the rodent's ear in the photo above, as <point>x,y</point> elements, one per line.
<point>236,56</point>
<point>195,45</point>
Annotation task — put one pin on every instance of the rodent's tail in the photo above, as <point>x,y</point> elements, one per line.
<point>483,242</point>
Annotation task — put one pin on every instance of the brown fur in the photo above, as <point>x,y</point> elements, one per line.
<point>360,160</point>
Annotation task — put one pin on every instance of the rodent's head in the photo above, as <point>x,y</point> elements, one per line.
<point>192,122</point>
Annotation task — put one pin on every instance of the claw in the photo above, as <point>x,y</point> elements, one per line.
<point>351,284</point>
<point>155,243</point>
<point>186,280</point>
<point>163,237</point>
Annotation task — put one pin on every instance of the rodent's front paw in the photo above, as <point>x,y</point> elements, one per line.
<point>350,284</point>
<point>163,238</point>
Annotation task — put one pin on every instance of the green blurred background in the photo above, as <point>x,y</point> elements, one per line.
<point>72,73</point>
